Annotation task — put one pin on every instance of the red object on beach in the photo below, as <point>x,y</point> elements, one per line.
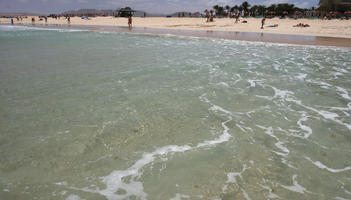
<point>331,12</point>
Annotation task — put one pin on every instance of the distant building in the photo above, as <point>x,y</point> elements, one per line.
<point>345,4</point>
<point>334,5</point>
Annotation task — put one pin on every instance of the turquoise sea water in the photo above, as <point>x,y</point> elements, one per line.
<point>94,115</point>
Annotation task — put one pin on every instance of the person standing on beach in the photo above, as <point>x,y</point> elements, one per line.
<point>33,20</point>
<point>130,21</point>
<point>69,19</point>
<point>11,21</point>
<point>46,19</point>
<point>262,22</point>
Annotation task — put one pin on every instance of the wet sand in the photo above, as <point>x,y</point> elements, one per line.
<point>231,35</point>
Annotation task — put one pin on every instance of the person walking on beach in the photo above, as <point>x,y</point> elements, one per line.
<point>46,19</point>
<point>33,20</point>
<point>262,22</point>
<point>130,21</point>
<point>69,19</point>
<point>11,21</point>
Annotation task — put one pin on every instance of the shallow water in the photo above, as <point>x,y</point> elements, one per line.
<point>94,115</point>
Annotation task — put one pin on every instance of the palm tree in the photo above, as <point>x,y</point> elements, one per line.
<point>245,6</point>
<point>220,11</point>
<point>216,8</point>
<point>253,10</point>
<point>272,7</point>
<point>227,7</point>
<point>261,9</point>
<point>232,10</point>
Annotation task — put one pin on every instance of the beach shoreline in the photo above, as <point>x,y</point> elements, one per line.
<point>317,27</point>
<point>211,34</point>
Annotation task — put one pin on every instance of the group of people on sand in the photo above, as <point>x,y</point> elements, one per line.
<point>263,21</point>
<point>45,18</point>
<point>301,25</point>
<point>237,19</point>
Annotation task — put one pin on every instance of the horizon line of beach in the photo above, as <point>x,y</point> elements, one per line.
<point>320,32</point>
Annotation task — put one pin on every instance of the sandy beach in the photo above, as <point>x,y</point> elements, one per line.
<point>325,28</point>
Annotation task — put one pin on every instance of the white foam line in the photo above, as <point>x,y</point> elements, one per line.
<point>286,95</point>
<point>322,166</point>
<point>74,197</point>
<point>245,194</point>
<point>114,181</point>
<point>343,93</point>
<point>346,191</point>
<point>340,198</point>
<point>281,93</point>
<point>241,128</point>
<point>340,70</point>
<point>252,83</point>
<point>24,28</point>
<point>320,83</point>
<point>270,195</point>
<point>231,176</point>
<point>180,197</point>
<point>296,187</point>
<point>325,114</point>
<point>237,80</point>
<point>304,127</point>
<point>301,76</point>
<point>278,144</point>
